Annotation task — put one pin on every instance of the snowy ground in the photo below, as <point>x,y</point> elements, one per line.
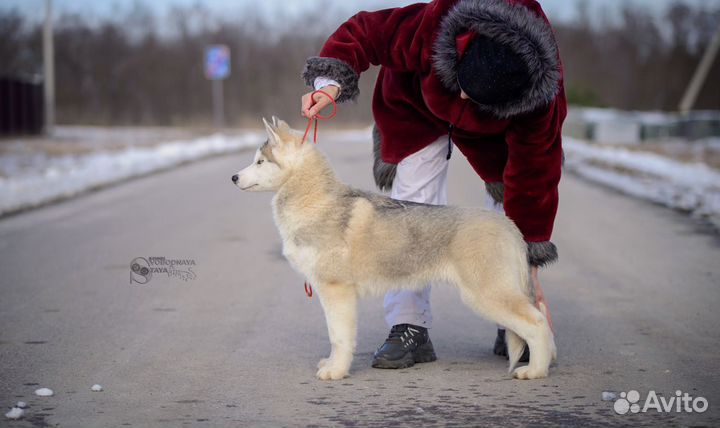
<point>705,151</point>
<point>34,172</point>
<point>689,186</point>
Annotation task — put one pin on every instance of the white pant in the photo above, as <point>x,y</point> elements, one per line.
<point>420,177</point>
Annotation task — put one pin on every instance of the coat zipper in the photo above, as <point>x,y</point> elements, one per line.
<point>451,128</point>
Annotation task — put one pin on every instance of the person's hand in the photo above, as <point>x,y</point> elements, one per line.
<point>312,105</point>
<point>540,296</point>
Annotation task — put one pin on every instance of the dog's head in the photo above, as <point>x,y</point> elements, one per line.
<point>274,161</point>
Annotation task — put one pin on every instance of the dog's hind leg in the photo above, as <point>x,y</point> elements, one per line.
<point>513,309</point>
<point>523,319</point>
<point>339,302</point>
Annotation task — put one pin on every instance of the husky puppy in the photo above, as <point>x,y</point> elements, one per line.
<point>349,243</point>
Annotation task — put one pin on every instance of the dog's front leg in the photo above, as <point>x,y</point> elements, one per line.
<point>340,304</point>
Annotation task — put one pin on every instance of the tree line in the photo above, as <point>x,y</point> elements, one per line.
<point>138,68</point>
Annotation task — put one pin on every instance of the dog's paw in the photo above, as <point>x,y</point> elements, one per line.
<point>329,372</point>
<point>322,363</point>
<point>525,372</point>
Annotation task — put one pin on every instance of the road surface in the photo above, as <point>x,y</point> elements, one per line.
<point>635,301</point>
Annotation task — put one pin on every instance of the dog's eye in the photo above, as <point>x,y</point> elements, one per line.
<point>260,161</point>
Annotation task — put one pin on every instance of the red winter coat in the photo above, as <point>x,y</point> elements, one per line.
<point>417,100</point>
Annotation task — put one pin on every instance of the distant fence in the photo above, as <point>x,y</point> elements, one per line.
<point>628,127</point>
<point>21,106</point>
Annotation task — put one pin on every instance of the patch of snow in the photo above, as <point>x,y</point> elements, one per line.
<point>46,178</point>
<point>102,134</point>
<point>96,388</point>
<point>15,413</point>
<point>608,396</point>
<point>692,187</point>
<point>712,142</point>
<point>44,392</point>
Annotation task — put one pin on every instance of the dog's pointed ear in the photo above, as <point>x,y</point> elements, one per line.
<point>273,135</point>
<point>284,130</point>
<point>281,125</point>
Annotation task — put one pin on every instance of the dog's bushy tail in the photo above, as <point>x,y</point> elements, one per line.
<point>515,344</point>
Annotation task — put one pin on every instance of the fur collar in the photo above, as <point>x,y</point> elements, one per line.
<point>515,25</point>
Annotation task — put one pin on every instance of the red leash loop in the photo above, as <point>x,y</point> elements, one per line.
<point>308,289</point>
<point>317,116</point>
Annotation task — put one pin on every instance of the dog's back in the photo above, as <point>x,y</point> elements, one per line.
<point>400,242</point>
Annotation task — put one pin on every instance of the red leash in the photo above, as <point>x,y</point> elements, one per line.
<point>308,287</point>
<point>317,116</point>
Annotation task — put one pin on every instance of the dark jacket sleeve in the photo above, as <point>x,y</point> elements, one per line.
<point>385,37</point>
<point>533,170</point>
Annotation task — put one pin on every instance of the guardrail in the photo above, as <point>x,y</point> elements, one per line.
<point>628,127</point>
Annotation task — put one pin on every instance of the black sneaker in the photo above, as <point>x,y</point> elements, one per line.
<point>500,347</point>
<point>406,345</point>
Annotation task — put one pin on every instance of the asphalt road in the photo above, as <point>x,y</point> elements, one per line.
<point>635,301</point>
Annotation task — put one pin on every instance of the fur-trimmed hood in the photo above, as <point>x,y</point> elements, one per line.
<point>514,25</point>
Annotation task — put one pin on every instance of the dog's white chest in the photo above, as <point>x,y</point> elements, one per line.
<point>302,257</point>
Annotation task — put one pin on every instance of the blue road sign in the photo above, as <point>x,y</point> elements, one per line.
<point>217,62</point>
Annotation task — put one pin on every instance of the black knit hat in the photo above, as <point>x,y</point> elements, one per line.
<point>501,53</point>
<point>491,73</point>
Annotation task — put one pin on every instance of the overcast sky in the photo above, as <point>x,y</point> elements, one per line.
<point>555,9</point>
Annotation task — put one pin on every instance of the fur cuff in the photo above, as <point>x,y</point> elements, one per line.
<point>336,70</point>
<point>496,191</point>
<point>542,253</point>
<point>383,172</point>
<point>516,26</point>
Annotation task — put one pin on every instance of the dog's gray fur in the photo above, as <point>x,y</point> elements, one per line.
<point>421,238</point>
<point>336,70</point>
<point>513,25</point>
<point>539,253</point>
<point>266,151</point>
